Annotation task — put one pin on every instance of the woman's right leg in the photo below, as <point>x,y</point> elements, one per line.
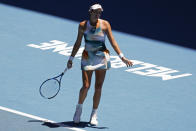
<point>86,79</point>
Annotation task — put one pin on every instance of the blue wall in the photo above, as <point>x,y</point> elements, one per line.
<point>170,21</point>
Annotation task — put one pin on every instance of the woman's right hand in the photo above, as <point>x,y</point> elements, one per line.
<point>69,64</point>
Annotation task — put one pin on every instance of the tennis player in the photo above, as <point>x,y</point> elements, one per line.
<point>95,58</point>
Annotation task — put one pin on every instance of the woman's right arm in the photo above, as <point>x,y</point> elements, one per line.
<point>77,43</point>
<point>78,40</point>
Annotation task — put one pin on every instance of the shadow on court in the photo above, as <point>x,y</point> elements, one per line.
<point>70,124</point>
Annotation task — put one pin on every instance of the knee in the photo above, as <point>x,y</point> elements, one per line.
<point>86,86</point>
<point>98,85</point>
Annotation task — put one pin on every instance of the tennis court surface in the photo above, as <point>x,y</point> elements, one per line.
<point>156,94</point>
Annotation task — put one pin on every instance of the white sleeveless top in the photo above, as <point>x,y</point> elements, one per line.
<point>95,55</point>
<point>94,37</point>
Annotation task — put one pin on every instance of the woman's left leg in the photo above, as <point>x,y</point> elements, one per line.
<point>99,79</point>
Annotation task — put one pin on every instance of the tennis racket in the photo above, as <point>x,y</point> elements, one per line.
<point>51,87</point>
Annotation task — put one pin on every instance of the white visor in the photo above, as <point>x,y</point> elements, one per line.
<point>96,6</point>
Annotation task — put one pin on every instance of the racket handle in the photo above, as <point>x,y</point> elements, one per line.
<point>65,70</point>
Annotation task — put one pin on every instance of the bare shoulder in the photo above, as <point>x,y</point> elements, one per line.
<point>105,23</point>
<point>82,25</point>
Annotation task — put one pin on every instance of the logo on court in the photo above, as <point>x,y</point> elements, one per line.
<point>139,68</point>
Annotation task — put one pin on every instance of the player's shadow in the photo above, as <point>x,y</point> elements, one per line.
<point>71,124</point>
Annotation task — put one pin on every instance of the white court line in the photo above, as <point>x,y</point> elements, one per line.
<point>36,118</point>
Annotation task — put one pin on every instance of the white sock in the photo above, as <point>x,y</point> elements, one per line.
<point>79,105</point>
<point>94,111</point>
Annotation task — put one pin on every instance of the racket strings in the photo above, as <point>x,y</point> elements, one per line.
<point>50,88</point>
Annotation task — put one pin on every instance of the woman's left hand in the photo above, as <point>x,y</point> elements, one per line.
<point>127,62</point>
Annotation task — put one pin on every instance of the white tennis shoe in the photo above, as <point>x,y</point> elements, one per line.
<point>93,119</point>
<point>77,114</point>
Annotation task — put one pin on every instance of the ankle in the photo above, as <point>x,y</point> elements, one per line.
<point>79,105</point>
<point>94,112</point>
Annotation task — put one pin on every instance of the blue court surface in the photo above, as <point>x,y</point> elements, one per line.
<point>156,94</point>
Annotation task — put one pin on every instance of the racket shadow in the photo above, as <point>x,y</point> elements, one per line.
<point>82,124</point>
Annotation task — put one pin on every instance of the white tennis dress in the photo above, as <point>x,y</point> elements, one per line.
<point>95,55</point>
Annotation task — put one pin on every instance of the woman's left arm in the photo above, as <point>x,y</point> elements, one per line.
<point>114,44</point>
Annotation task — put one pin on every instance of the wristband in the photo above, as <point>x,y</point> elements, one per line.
<point>121,55</point>
<point>71,58</point>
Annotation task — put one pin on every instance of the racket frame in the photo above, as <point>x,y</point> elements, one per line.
<point>59,83</point>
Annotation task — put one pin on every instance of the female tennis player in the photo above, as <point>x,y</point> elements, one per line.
<point>95,58</point>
